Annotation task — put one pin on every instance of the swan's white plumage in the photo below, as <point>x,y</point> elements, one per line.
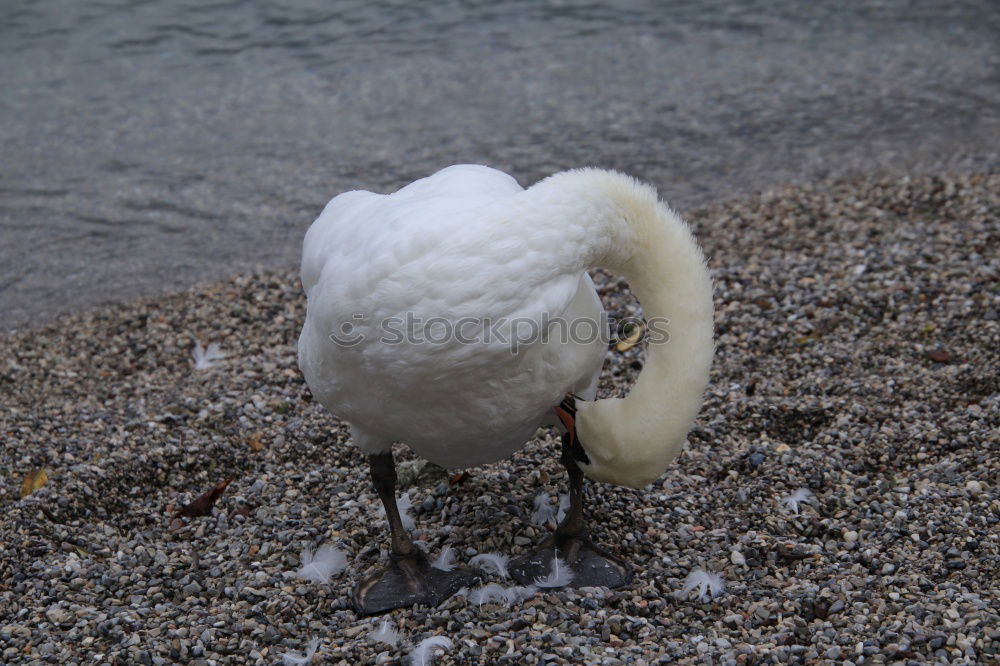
<point>453,245</point>
<point>469,242</point>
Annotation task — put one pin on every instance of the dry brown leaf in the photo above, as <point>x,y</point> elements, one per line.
<point>631,340</point>
<point>242,511</point>
<point>256,442</point>
<point>203,504</point>
<point>47,512</point>
<point>806,339</point>
<point>459,477</point>
<point>33,480</point>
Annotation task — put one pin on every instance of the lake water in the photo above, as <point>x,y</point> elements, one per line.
<point>149,145</point>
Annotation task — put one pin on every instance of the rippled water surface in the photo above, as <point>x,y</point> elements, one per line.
<point>147,145</point>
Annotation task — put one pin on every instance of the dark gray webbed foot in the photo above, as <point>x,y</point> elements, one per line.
<point>589,564</point>
<point>408,580</point>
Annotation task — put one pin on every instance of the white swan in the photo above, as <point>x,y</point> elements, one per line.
<point>424,313</point>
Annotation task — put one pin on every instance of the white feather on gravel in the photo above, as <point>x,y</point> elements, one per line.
<point>404,505</point>
<point>495,562</point>
<point>495,593</point>
<point>295,658</point>
<point>321,565</point>
<point>423,654</point>
<point>386,633</point>
<point>560,576</point>
<point>708,585</point>
<point>800,496</point>
<point>445,560</point>
<point>206,358</point>
<point>543,513</point>
<point>563,507</point>
<point>518,593</point>
<point>488,594</point>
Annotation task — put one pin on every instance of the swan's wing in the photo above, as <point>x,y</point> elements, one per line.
<point>355,225</point>
<point>454,247</point>
<point>336,226</point>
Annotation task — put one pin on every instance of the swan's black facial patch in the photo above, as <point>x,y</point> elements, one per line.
<point>571,444</point>
<point>569,404</point>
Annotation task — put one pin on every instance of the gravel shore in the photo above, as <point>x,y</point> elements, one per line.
<point>858,347</point>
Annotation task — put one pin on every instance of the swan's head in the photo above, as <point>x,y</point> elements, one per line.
<point>623,448</point>
<point>630,442</point>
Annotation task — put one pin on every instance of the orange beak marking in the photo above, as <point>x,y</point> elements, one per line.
<point>568,421</point>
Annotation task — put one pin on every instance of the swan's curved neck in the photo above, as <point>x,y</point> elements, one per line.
<point>631,441</point>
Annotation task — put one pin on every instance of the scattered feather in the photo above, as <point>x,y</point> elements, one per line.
<point>802,495</point>
<point>294,658</point>
<point>494,593</point>
<point>496,562</point>
<point>563,507</point>
<point>321,565</point>
<point>423,654</point>
<point>488,594</point>
<point>462,592</point>
<point>386,633</point>
<point>206,358</point>
<point>708,584</point>
<point>560,575</point>
<point>445,561</point>
<point>519,593</point>
<point>404,505</point>
<point>543,513</point>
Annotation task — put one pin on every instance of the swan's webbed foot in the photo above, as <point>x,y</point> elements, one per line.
<point>591,565</point>
<point>409,580</point>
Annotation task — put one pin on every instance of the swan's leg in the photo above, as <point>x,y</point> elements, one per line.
<point>591,564</point>
<point>408,579</point>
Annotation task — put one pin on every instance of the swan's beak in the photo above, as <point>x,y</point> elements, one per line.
<point>566,411</point>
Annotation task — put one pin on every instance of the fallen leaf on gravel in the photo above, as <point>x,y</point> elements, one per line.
<point>630,340</point>
<point>939,356</point>
<point>33,480</point>
<point>242,511</point>
<point>459,477</point>
<point>806,339</point>
<point>203,504</point>
<point>47,512</point>
<point>255,442</point>
<point>793,552</point>
<point>821,609</point>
